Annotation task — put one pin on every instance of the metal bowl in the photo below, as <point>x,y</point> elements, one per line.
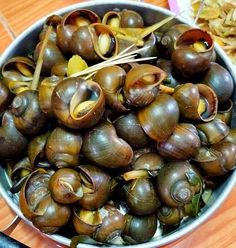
<point>27,41</point>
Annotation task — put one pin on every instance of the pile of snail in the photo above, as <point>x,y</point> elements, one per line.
<point>125,150</point>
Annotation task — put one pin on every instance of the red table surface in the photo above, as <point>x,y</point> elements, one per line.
<point>219,231</point>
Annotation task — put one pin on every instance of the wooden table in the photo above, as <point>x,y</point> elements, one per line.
<point>218,232</point>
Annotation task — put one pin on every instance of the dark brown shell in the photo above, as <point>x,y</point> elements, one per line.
<point>150,161</point>
<point>182,144</point>
<point>141,197</point>
<point>139,229</point>
<point>52,55</point>
<point>70,23</point>
<point>113,224</point>
<point>225,112</point>
<point>131,19</point>
<point>111,79</point>
<point>63,147</point>
<point>37,205</point>
<point>217,160</point>
<point>52,215</point>
<point>188,97</point>
<point>72,93</point>
<point>129,129</point>
<point>187,60</point>
<point>212,132</point>
<point>28,116</point>
<point>177,183</point>
<point>141,84</point>
<point>220,80</point>
<point>34,190</point>
<point>12,141</point>
<point>36,149</point>
<point>86,226</point>
<point>86,42</point>
<point>99,183</point>
<point>159,118</point>
<point>65,186</point>
<point>82,44</point>
<point>53,21</point>
<point>102,146</point>
<point>45,94</point>
<point>169,216</point>
<point>169,38</point>
<point>10,71</point>
<point>171,79</point>
<point>5,97</point>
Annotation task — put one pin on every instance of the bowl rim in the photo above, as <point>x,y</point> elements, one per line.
<point>230,182</point>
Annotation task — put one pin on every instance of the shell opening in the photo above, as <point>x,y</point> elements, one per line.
<point>201,106</point>
<point>83,102</point>
<point>200,46</point>
<point>114,22</point>
<point>148,79</point>
<point>104,43</point>
<point>83,108</point>
<point>82,21</point>
<point>24,69</point>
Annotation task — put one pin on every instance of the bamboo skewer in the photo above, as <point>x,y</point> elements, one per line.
<point>37,72</point>
<point>121,58</point>
<point>126,56</point>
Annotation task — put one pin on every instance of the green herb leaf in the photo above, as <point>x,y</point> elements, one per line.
<point>196,203</point>
<point>206,195</point>
<point>192,178</point>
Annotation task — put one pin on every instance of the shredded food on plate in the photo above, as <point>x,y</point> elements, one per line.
<point>218,17</point>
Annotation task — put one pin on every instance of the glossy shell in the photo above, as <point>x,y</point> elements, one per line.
<point>169,38</point>
<point>129,129</point>
<point>99,183</point>
<point>70,23</point>
<point>45,94</point>
<point>111,79</point>
<point>141,197</point>
<point>12,141</point>
<point>188,97</point>
<point>186,59</point>
<point>139,229</point>
<point>102,146</point>
<point>217,160</point>
<point>63,147</point>
<point>141,84</point>
<point>177,183</point>
<point>159,118</point>
<point>65,186</point>
<point>182,144</point>
<point>212,132</point>
<point>28,116</point>
<point>69,103</point>
<point>220,80</point>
